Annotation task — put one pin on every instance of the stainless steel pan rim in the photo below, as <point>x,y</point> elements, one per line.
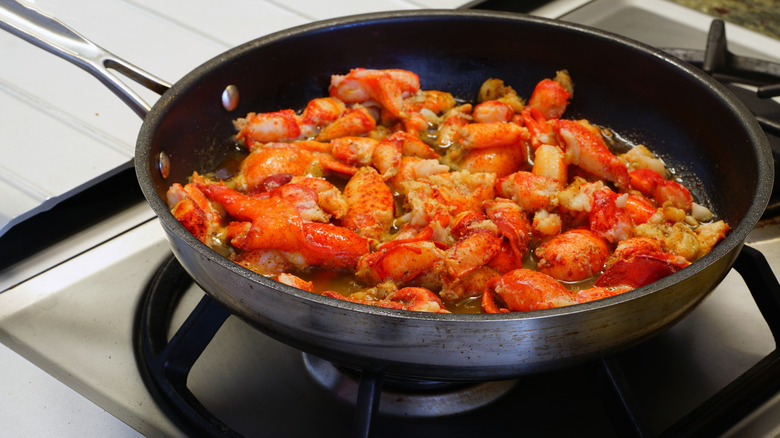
<point>733,241</point>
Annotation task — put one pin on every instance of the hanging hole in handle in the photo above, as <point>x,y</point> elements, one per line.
<point>230,97</point>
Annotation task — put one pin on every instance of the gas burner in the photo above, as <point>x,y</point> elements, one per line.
<point>406,397</point>
<point>166,363</point>
<point>754,81</point>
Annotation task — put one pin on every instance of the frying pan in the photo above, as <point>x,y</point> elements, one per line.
<point>688,119</point>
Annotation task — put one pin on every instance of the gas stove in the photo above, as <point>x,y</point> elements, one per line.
<point>81,334</point>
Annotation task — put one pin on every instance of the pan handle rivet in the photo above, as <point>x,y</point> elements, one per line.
<point>230,97</point>
<point>164,164</point>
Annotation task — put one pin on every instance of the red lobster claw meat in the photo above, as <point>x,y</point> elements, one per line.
<point>405,198</point>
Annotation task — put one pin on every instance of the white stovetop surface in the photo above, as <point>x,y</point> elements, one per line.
<point>61,129</point>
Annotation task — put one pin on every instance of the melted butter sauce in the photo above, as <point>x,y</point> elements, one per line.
<point>345,283</point>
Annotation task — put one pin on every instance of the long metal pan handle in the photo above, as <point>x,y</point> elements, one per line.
<point>52,35</point>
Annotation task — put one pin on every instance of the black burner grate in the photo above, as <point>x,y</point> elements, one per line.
<point>165,365</point>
